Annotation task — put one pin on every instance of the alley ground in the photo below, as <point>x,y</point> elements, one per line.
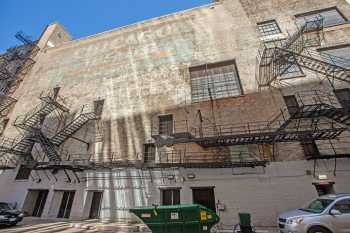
<point>36,225</point>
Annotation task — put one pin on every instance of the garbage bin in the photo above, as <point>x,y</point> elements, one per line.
<point>192,218</point>
<point>245,222</point>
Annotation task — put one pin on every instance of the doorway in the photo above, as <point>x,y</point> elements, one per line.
<point>324,188</point>
<point>204,196</point>
<point>66,204</point>
<point>35,202</point>
<point>95,205</point>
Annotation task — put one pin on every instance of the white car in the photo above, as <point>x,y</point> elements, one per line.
<point>326,214</point>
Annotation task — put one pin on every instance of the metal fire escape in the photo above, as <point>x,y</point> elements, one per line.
<point>276,58</point>
<point>318,116</point>
<point>30,124</point>
<point>5,103</point>
<point>86,114</point>
<point>16,63</point>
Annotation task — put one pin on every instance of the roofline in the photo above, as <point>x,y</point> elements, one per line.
<point>133,24</point>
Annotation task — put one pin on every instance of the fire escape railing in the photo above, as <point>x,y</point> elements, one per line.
<point>316,118</point>
<point>270,60</point>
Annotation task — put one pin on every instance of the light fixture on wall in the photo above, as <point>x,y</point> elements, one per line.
<point>322,177</point>
<point>191,176</point>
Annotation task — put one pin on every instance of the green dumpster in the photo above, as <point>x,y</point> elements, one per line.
<point>192,218</point>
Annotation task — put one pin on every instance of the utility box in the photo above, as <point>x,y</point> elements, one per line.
<point>190,218</point>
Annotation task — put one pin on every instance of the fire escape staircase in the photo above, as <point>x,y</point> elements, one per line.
<point>330,66</point>
<point>270,58</point>
<point>32,119</point>
<point>6,102</point>
<point>87,114</point>
<point>31,124</point>
<point>48,147</point>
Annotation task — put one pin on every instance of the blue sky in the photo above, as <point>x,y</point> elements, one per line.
<point>80,17</point>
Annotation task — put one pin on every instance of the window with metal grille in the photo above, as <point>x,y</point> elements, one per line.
<point>331,17</point>
<point>23,173</point>
<point>215,81</point>
<point>171,196</point>
<point>149,152</point>
<point>268,28</point>
<point>166,125</point>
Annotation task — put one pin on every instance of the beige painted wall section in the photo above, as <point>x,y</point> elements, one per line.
<point>139,70</point>
<point>142,70</point>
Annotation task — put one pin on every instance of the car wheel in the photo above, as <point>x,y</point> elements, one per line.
<point>318,230</point>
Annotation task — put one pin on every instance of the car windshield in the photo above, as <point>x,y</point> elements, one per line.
<point>318,205</point>
<point>4,206</point>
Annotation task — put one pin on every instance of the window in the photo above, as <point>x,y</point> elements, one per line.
<point>166,125</point>
<point>310,149</point>
<point>292,71</point>
<point>331,17</point>
<point>343,96</point>
<point>215,81</point>
<point>268,28</point>
<point>149,152</point>
<point>343,206</point>
<point>23,173</point>
<point>339,55</point>
<point>170,196</point>
<point>291,103</point>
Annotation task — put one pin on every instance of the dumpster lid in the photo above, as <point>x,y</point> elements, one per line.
<point>170,206</point>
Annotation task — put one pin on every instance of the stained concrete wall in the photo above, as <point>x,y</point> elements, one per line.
<point>281,186</point>
<point>141,71</point>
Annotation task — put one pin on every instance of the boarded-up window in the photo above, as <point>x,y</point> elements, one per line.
<point>215,81</point>
<point>331,17</point>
